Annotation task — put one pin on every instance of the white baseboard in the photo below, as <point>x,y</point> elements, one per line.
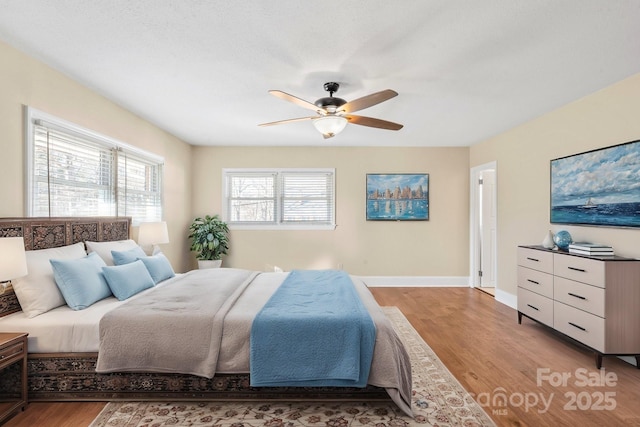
<point>416,281</point>
<point>507,299</point>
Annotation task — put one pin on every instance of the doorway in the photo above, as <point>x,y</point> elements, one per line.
<point>483,206</point>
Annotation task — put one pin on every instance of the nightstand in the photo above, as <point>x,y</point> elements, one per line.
<point>13,351</point>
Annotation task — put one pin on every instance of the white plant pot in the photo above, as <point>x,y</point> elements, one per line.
<point>216,263</point>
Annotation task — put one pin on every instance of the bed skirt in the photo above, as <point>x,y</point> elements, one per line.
<point>72,377</point>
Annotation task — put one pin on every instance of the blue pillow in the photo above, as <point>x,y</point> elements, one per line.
<point>128,279</point>
<point>81,281</point>
<point>125,257</point>
<point>159,267</point>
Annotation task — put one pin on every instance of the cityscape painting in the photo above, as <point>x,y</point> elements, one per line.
<point>398,197</point>
<point>599,187</point>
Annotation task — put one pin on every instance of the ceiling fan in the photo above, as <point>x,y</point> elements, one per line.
<point>334,113</point>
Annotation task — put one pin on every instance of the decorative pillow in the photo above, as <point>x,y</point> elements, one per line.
<point>104,248</point>
<point>37,291</point>
<point>81,281</point>
<point>127,280</point>
<point>125,257</point>
<point>159,267</point>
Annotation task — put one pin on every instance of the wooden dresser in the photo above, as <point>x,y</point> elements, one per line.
<point>593,300</point>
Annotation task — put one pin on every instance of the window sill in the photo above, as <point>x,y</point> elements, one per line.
<point>287,227</point>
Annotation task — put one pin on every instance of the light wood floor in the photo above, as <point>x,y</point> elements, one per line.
<point>481,343</point>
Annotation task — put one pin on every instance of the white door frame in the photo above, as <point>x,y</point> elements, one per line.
<point>474,219</point>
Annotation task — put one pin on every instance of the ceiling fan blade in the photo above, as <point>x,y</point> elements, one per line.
<point>374,123</point>
<point>298,101</point>
<point>280,122</point>
<point>368,101</point>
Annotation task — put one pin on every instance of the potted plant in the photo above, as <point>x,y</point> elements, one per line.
<point>210,240</point>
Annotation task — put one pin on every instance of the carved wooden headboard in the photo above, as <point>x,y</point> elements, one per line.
<point>44,233</point>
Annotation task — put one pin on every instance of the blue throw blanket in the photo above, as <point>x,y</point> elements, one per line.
<point>313,331</point>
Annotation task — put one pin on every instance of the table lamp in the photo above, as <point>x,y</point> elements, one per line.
<point>153,234</point>
<point>13,261</point>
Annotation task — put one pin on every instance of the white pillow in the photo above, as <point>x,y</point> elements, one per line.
<point>37,292</point>
<point>104,248</point>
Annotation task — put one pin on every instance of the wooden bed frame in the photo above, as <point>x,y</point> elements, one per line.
<point>72,376</point>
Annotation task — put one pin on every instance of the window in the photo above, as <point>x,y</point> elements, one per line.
<point>73,171</point>
<point>279,198</point>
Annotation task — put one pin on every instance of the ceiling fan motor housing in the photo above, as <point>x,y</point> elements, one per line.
<point>330,101</point>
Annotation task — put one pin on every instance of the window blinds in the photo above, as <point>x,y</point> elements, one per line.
<point>307,197</point>
<point>76,174</point>
<point>139,184</point>
<point>280,197</point>
<point>252,197</point>
<point>71,176</point>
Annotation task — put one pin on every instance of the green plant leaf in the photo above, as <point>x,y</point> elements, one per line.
<point>209,237</point>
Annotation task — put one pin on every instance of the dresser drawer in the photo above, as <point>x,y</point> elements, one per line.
<point>582,269</point>
<point>535,259</point>
<point>535,306</point>
<point>535,281</point>
<point>579,295</point>
<point>9,353</point>
<point>579,325</point>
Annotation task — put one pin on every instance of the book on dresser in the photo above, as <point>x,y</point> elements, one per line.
<point>593,249</point>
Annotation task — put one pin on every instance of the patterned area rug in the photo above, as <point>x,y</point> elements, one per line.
<point>438,400</point>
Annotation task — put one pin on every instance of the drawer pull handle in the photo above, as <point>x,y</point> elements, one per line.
<point>533,259</point>
<point>4,356</point>
<point>577,296</point>
<point>576,326</point>
<point>581,270</point>
<point>533,281</point>
<point>535,308</point>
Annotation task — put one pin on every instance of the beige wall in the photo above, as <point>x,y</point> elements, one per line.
<point>605,118</point>
<point>438,247</point>
<point>25,81</point>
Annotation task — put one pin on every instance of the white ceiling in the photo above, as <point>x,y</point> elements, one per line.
<point>465,70</point>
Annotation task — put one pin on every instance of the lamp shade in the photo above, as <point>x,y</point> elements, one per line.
<point>13,261</point>
<point>330,125</point>
<point>153,233</point>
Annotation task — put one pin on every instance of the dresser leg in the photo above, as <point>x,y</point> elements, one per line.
<point>520,320</point>
<point>598,360</point>
<point>638,361</point>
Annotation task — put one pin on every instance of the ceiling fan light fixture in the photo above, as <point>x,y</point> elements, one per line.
<point>330,125</point>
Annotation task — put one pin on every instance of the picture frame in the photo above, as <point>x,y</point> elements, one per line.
<point>598,188</point>
<point>397,197</point>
